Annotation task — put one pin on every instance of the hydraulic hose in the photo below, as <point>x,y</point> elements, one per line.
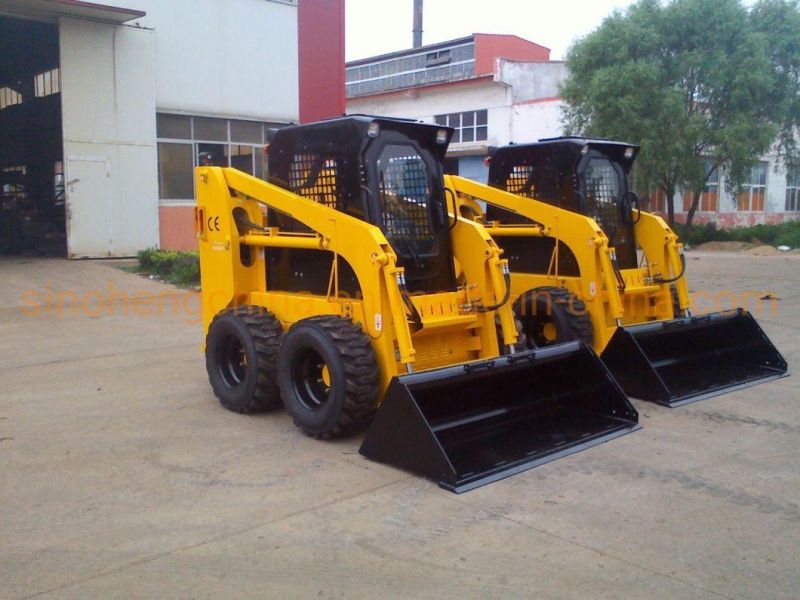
<point>448,191</point>
<point>678,276</point>
<point>413,313</point>
<point>506,296</point>
<point>245,222</point>
<point>617,273</point>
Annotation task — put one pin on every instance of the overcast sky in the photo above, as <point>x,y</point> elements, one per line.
<point>379,26</point>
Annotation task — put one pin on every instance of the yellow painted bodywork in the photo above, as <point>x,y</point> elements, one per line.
<point>452,330</point>
<point>607,305</point>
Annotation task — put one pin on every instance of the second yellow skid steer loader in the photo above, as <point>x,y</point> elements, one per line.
<point>572,231</point>
<point>343,290</point>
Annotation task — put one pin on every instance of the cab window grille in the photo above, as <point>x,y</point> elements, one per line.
<point>545,185</point>
<point>316,177</point>
<point>519,183</point>
<point>404,185</point>
<point>602,196</point>
<point>518,180</point>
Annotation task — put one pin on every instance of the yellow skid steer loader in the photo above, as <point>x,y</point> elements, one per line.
<point>588,264</point>
<point>344,291</point>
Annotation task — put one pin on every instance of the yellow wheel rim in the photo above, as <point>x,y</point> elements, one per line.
<point>549,332</point>
<point>326,376</point>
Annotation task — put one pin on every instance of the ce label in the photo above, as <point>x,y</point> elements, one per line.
<point>213,223</point>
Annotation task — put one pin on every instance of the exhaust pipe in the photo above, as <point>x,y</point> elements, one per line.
<point>468,425</point>
<point>417,41</point>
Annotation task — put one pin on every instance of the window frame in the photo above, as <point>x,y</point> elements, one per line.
<point>749,187</point>
<point>10,97</point>
<point>47,83</point>
<point>437,58</point>
<point>479,120</point>
<point>792,189</point>
<point>228,148</point>
<point>709,197</point>
<point>158,160</point>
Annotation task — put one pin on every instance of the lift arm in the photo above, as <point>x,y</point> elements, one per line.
<point>663,252</point>
<point>579,233</point>
<point>225,272</point>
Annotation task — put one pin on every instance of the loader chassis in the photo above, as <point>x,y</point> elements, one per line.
<point>356,296</point>
<point>572,230</point>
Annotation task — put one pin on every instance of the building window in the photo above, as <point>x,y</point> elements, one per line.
<point>212,155</point>
<point>173,127</point>
<point>212,130</point>
<point>411,68</point>
<point>792,188</point>
<point>185,142</point>
<point>709,199</point>
<point>751,197</point>
<point>247,131</point>
<point>58,183</point>
<point>471,126</point>
<point>175,179</point>
<point>241,157</point>
<point>12,185</point>
<point>47,83</point>
<point>9,97</point>
<point>435,59</point>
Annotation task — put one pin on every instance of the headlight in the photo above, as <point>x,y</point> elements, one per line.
<point>628,152</point>
<point>441,136</point>
<point>373,130</point>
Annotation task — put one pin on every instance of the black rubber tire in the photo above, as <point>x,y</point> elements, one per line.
<point>522,340</point>
<point>349,402</point>
<point>559,306</point>
<point>255,334</point>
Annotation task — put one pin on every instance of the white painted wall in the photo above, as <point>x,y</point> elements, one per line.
<point>425,103</point>
<point>108,105</point>
<point>231,58</point>
<point>536,120</point>
<point>532,80</point>
<point>521,100</point>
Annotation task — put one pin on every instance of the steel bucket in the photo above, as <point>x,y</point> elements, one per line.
<point>468,425</point>
<point>693,358</point>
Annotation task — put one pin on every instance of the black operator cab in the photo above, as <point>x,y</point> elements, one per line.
<point>587,176</point>
<point>385,171</point>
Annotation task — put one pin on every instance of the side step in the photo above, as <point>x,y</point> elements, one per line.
<point>686,360</point>
<point>468,425</point>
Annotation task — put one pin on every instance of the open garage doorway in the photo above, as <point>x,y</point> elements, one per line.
<point>32,201</point>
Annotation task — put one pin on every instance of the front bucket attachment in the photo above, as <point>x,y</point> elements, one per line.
<point>690,359</point>
<point>472,424</point>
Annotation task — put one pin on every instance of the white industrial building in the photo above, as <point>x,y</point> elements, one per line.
<point>770,194</point>
<point>106,107</point>
<point>497,89</point>
<point>494,89</point>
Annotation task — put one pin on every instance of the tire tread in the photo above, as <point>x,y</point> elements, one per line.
<point>361,376</point>
<point>267,332</point>
<point>578,320</point>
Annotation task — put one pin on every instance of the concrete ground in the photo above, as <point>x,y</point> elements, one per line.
<point>122,477</point>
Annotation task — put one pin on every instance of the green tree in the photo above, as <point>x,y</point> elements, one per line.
<point>690,81</point>
<point>778,23</point>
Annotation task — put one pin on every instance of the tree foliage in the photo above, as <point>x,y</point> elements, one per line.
<point>777,22</point>
<point>701,85</point>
